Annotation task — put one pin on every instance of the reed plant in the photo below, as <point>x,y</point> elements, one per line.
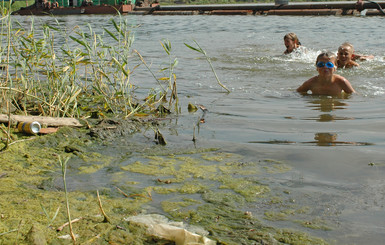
<point>6,26</point>
<point>54,71</point>
<point>63,165</point>
<point>199,49</point>
<point>173,62</point>
<point>89,71</point>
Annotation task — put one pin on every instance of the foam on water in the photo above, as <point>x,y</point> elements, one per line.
<point>304,55</point>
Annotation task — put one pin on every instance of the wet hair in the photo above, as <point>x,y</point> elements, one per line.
<point>292,36</point>
<point>327,54</point>
<point>346,45</point>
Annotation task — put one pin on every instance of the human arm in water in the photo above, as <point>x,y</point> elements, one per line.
<point>362,57</point>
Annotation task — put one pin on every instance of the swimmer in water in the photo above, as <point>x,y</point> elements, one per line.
<point>346,56</point>
<point>326,83</point>
<point>292,43</point>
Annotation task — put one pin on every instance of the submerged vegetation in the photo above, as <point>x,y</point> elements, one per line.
<point>57,72</point>
<point>201,187</point>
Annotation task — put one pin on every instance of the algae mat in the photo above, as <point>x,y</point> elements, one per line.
<point>202,187</point>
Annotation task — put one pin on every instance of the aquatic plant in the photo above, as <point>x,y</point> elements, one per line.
<point>63,165</point>
<point>4,55</point>
<point>51,219</point>
<point>53,71</point>
<point>166,44</point>
<point>84,66</point>
<point>202,51</point>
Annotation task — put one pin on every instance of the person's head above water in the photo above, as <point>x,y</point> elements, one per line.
<point>346,56</point>
<point>326,82</point>
<point>326,57</point>
<point>291,42</point>
<point>348,46</point>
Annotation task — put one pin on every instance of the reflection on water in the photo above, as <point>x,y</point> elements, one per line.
<point>327,104</point>
<point>323,117</point>
<point>278,142</point>
<point>327,118</point>
<point>325,139</point>
<point>320,139</point>
<point>330,139</point>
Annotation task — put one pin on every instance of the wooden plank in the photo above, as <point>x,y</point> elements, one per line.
<point>48,121</point>
<point>48,130</point>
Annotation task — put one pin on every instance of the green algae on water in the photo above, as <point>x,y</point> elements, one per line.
<point>282,215</point>
<point>220,156</point>
<point>182,210</point>
<point>247,188</point>
<point>211,190</point>
<point>316,223</point>
<point>33,211</point>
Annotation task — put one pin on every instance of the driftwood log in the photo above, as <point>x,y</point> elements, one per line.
<point>48,121</point>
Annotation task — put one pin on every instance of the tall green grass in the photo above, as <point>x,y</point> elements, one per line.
<point>89,72</point>
<point>50,70</point>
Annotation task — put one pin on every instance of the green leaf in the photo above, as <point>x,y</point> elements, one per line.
<point>111,34</point>
<point>51,27</point>
<point>117,27</point>
<point>121,66</point>
<point>66,52</point>
<point>175,62</point>
<point>195,49</point>
<point>165,48</point>
<point>79,41</point>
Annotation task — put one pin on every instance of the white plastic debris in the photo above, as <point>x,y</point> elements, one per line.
<point>67,237</point>
<point>159,226</point>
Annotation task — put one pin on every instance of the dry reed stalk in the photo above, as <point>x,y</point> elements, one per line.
<point>60,228</point>
<point>124,194</point>
<point>106,219</point>
<point>64,170</point>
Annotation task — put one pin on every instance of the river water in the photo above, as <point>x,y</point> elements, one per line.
<point>335,147</point>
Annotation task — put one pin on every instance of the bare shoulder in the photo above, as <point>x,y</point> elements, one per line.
<point>344,84</point>
<point>312,80</point>
<point>307,85</point>
<point>339,78</point>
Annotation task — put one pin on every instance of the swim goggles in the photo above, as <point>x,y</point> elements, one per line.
<point>327,64</point>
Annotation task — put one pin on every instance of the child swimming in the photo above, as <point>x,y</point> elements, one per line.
<point>326,83</point>
<point>292,43</point>
<point>345,56</point>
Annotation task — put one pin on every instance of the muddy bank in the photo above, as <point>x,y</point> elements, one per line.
<point>201,187</point>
